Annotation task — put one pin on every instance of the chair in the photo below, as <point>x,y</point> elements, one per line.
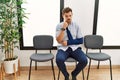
<point>96,42</point>
<point>42,42</point>
<point>71,60</point>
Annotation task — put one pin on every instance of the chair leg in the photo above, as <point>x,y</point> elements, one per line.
<point>88,69</point>
<point>59,74</point>
<point>83,74</point>
<point>110,69</point>
<point>53,69</point>
<point>98,64</point>
<point>30,70</point>
<point>35,65</point>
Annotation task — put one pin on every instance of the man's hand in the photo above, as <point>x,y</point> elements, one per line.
<point>65,25</point>
<point>64,43</point>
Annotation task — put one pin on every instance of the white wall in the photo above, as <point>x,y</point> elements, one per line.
<point>83,11</point>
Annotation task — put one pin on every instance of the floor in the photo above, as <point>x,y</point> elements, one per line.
<point>46,74</point>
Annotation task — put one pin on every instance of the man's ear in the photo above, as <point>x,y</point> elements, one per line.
<point>62,15</point>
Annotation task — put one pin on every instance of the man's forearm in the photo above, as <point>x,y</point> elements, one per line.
<point>60,37</point>
<point>75,41</point>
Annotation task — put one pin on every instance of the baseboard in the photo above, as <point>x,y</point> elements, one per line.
<point>70,67</point>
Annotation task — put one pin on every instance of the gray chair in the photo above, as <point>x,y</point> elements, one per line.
<point>96,42</point>
<point>70,60</point>
<point>42,42</point>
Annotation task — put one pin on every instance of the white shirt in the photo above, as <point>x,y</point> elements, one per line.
<point>75,32</point>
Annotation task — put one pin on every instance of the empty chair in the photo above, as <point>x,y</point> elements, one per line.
<point>70,60</point>
<point>42,42</point>
<point>96,42</point>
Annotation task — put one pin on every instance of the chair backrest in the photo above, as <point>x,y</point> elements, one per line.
<point>43,42</point>
<point>93,41</point>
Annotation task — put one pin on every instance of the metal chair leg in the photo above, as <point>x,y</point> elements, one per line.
<point>35,65</point>
<point>83,74</point>
<point>88,69</point>
<point>30,70</point>
<point>110,69</point>
<point>53,69</point>
<point>98,64</point>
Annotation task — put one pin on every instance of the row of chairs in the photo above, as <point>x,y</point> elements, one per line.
<point>45,42</point>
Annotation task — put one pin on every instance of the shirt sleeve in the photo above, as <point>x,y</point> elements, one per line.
<point>58,28</point>
<point>79,34</point>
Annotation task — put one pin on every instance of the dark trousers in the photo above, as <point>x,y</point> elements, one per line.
<point>78,55</point>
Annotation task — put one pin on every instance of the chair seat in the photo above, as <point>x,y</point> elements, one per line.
<point>70,60</point>
<point>41,57</point>
<point>98,56</point>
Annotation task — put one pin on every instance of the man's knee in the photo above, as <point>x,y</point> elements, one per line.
<point>59,60</point>
<point>84,61</point>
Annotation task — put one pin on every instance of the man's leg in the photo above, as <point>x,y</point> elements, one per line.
<point>60,60</point>
<point>79,55</point>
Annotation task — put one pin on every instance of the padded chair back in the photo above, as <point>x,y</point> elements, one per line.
<point>43,42</point>
<point>93,41</point>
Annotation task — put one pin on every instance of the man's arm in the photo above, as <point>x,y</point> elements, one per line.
<point>78,40</point>
<point>60,37</point>
<point>75,41</point>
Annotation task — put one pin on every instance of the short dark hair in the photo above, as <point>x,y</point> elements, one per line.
<point>66,10</point>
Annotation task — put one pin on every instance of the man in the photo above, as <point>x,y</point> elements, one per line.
<point>69,36</point>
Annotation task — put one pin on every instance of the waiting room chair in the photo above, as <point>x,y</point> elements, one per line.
<point>42,42</point>
<point>96,42</point>
<point>70,60</point>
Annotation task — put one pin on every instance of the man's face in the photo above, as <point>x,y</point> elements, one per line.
<point>67,17</point>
